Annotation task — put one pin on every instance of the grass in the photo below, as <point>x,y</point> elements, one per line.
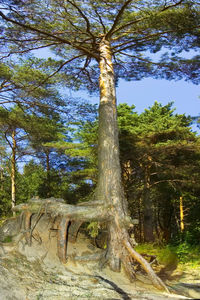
<point>170,255</point>
<point>7,239</point>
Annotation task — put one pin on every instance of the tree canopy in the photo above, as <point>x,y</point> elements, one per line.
<point>73,30</point>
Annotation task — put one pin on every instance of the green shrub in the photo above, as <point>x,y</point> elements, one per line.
<point>93,228</point>
<point>168,257</point>
<point>7,239</point>
<point>188,253</point>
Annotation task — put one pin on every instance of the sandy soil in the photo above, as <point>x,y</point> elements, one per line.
<point>32,273</point>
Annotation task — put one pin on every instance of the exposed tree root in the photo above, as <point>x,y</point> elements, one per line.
<point>66,215</point>
<point>62,239</point>
<point>157,282</point>
<point>27,226</point>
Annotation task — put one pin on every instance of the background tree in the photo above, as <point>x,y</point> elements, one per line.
<point>159,157</point>
<point>12,124</point>
<point>43,130</point>
<point>26,85</point>
<point>21,131</point>
<point>5,187</point>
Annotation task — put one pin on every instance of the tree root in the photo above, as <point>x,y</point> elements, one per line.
<point>156,281</point>
<point>71,214</point>
<point>62,239</point>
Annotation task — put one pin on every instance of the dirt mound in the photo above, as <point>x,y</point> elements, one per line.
<point>35,272</point>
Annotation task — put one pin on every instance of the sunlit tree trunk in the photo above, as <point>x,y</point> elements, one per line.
<point>13,171</point>
<point>1,176</point>
<point>182,226</point>
<point>110,189</point>
<point>1,179</point>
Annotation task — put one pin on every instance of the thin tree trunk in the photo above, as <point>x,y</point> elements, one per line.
<point>140,221</point>
<point>13,172</point>
<point>48,172</point>
<point>148,209</point>
<point>182,225</point>
<point>1,178</point>
<point>110,189</point>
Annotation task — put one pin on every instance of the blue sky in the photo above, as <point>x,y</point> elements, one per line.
<point>145,92</point>
<point>185,95</point>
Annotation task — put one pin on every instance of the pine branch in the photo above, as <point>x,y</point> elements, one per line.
<point>139,58</point>
<point>144,18</point>
<point>117,19</point>
<point>100,20</point>
<point>172,5</point>
<point>54,73</point>
<point>48,34</point>
<point>84,17</point>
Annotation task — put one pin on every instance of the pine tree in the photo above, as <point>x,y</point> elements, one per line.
<point>159,156</point>
<point>11,125</point>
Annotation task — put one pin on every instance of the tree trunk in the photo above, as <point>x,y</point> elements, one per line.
<point>1,178</point>
<point>13,172</point>
<point>110,189</point>
<point>182,225</point>
<point>148,209</point>
<point>48,172</point>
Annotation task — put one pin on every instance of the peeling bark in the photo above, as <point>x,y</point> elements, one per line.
<point>109,188</point>
<point>182,225</point>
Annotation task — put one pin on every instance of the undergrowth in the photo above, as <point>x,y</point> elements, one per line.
<point>180,254</point>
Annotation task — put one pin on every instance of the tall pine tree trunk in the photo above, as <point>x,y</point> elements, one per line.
<point>110,188</point>
<point>13,171</point>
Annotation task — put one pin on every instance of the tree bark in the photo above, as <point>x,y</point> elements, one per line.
<point>62,239</point>
<point>1,179</point>
<point>55,208</point>
<point>47,153</point>
<point>148,209</point>
<point>182,225</point>
<point>13,172</point>
<point>109,188</point>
